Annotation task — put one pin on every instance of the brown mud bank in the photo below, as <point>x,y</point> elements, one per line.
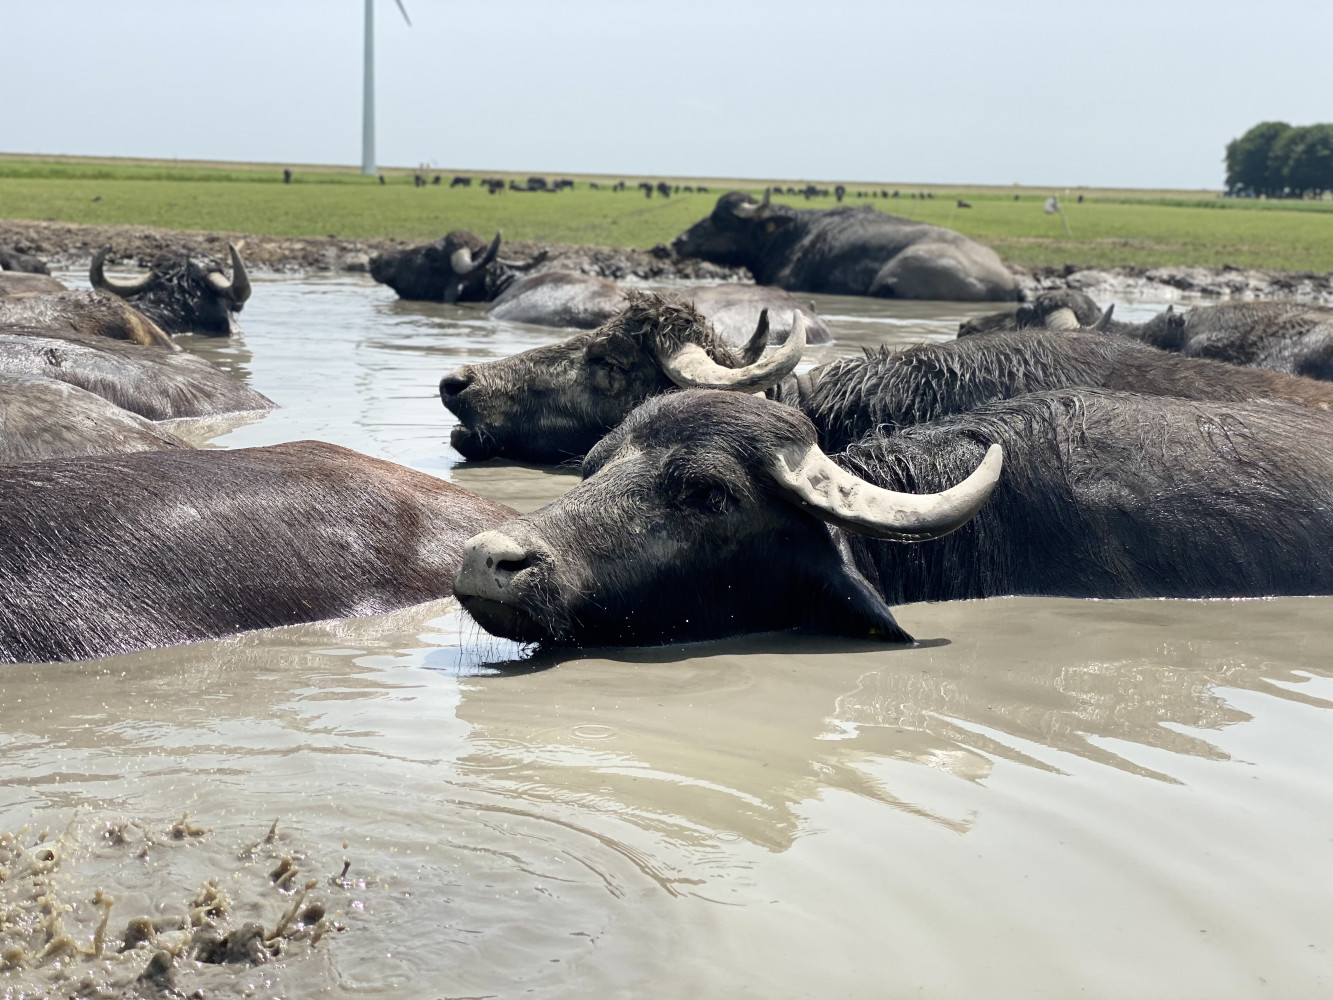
<point>67,244</point>
<point>71,245</point>
<point>1180,281</point>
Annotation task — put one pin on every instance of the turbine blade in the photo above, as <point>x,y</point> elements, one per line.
<point>404,10</point>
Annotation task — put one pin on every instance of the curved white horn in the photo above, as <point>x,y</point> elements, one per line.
<point>692,368</point>
<point>750,210</point>
<point>835,495</point>
<point>461,261</point>
<point>237,288</point>
<point>1062,319</point>
<point>122,288</point>
<point>463,264</point>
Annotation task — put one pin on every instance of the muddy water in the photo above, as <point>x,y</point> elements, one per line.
<point>1043,799</point>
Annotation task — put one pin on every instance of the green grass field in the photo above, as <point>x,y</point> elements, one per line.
<point>1110,227</point>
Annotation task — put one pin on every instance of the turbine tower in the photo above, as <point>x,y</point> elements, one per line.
<point>368,93</point>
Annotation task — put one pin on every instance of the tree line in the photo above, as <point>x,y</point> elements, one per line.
<point>1277,160</point>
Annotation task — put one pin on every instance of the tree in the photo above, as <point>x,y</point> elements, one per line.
<point>1249,161</point>
<point>1303,159</point>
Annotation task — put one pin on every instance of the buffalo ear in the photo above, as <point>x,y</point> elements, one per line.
<point>841,601</point>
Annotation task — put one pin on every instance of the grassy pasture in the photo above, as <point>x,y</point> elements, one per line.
<point>1111,226</point>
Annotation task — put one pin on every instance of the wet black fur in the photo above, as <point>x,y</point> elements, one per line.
<point>1291,337</point>
<point>180,299</point>
<point>887,390</point>
<point>1114,495</point>
<point>109,554</point>
<point>424,273</point>
<point>846,251</point>
<point>679,532</point>
<point>553,403</point>
<point>1033,315</point>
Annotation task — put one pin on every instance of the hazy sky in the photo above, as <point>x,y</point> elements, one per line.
<point>1140,94</point>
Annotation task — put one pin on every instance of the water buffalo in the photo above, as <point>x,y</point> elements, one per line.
<point>581,301</point>
<point>555,402</point>
<point>846,251</point>
<point>1283,336</point>
<point>21,282</point>
<point>457,268</point>
<point>12,259</point>
<point>1291,337</point>
<point>712,514</point>
<point>184,292</point>
<point>535,405</point>
<point>42,418</point>
<point>108,554</point>
<point>1061,309</point>
<point>884,390</point>
<point>93,313</point>
<point>154,384</point>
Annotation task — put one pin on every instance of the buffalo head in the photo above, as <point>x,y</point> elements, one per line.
<point>737,231</point>
<point>705,514</point>
<point>553,403</point>
<point>185,293</point>
<point>457,268</point>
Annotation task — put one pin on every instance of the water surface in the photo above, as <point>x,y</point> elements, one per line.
<point>1044,798</point>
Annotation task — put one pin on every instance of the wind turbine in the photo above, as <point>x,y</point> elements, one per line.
<point>368,93</point>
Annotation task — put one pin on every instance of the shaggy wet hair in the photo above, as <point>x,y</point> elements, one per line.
<point>1108,494</point>
<point>887,390</point>
<point>664,321</point>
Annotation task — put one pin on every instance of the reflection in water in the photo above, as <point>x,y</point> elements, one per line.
<point>1046,798</point>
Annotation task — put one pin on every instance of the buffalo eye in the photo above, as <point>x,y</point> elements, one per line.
<point>707,497</point>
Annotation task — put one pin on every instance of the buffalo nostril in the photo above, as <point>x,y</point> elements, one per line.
<point>455,382</point>
<point>513,566</point>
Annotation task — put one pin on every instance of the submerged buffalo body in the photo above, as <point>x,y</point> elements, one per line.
<point>887,390</point>
<point>581,301</point>
<point>1283,336</point>
<point>555,402</point>
<point>154,384</point>
<point>93,313</point>
<point>559,298</point>
<point>105,555</point>
<point>1292,337</point>
<point>847,251</point>
<point>42,418</point>
<point>712,514</point>
<point>183,293</point>
<point>21,282</point>
<point>1061,309</point>
<point>12,259</point>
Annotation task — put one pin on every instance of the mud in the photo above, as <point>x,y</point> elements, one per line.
<point>93,910</point>
<point>71,246</point>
